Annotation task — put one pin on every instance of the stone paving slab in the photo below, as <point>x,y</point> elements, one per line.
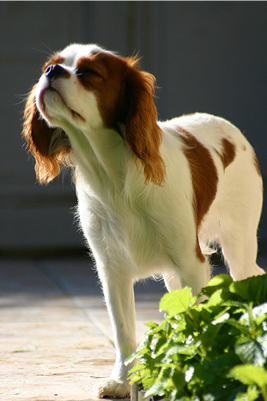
<point>55,334</point>
<point>42,359</point>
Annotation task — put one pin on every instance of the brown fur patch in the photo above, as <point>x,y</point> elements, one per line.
<point>125,95</point>
<point>228,154</point>
<point>200,255</point>
<point>38,136</point>
<point>204,178</point>
<point>257,164</point>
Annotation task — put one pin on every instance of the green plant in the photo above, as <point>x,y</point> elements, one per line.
<point>214,350</point>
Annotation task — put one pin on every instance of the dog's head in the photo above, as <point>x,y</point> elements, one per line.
<point>86,88</point>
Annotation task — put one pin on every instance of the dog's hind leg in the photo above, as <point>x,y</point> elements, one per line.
<point>240,253</point>
<point>237,222</point>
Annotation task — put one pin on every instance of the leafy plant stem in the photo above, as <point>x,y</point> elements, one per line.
<point>193,320</point>
<point>251,321</point>
<point>264,392</point>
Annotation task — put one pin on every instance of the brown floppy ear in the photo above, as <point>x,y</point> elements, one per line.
<point>49,146</point>
<point>143,135</point>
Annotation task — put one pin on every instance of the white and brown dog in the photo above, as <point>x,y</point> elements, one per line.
<point>150,193</point>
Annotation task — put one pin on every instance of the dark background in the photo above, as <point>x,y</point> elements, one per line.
<point>206,56</point>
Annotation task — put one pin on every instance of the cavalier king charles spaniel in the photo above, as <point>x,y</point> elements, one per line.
<point>152,195</point>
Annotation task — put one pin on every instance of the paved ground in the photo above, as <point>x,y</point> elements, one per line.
<point>55,335</point>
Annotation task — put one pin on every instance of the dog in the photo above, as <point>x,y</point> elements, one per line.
<point>151,195</point>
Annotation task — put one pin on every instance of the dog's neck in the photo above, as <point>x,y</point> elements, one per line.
<point>101,156</point>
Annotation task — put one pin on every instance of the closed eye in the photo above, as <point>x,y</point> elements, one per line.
<point>81,72</point>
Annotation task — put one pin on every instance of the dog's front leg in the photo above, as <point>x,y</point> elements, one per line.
<point>119,297</point>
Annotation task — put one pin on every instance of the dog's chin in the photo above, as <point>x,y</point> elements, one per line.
<point>54,109</point>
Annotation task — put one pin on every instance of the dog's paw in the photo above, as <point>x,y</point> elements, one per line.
<point>110,388</point>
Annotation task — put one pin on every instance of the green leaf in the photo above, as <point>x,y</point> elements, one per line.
<point>218,282</point>
<point>210,334</point>
<point>138,368</point>
<point>250,374</point>
<point>137,371</point>
<point>148,381</point>
<point>221,319</point>
<point>257,311</point>
<point>151,325</point>
<point>209,397</point>
<point>156,389</point>
<point>261,321</point>
<point>252,394</point>
<point>216,368</point>
<point>252,289</point>
<point>216,298</point>
<point>178,379</point>
<point>240,306</point>
<point>132,357</point>
<point>177,301</point>
<point>180,350</point>
<point>250,351</point>
<point>263,342</point>
<point>243,329</point>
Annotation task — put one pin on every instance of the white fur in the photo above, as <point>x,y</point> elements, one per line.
<point>136,230</point>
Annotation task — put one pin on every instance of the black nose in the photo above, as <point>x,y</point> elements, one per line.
<point>55,71</point>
